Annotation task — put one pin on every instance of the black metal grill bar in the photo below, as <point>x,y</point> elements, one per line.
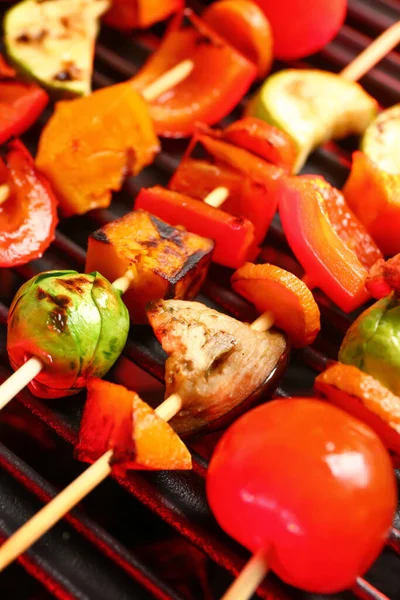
<point>106,543</point>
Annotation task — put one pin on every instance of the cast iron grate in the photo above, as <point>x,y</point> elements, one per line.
<point>94,564</point>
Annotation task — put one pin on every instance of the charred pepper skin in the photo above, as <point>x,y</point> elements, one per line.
<point>76,324</point>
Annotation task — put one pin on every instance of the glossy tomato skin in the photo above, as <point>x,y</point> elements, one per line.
<point>302,27</point>
<point>310,484</point>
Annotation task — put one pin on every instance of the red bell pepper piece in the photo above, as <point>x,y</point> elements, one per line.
<point>6,72</point>
<point>28,215</point>
<point>248,178</point>
<point>20,106</point>
<point>346,224</point>
<point>220,77</point>
<point>140,14</point>
<point>233,236</point>
<point>259,137</point>
<point>329,264</point>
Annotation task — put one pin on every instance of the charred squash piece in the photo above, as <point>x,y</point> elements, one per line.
<point>165,261</point>
<point>216,363</point>
<point>91,144</point>
<point>117,419</point>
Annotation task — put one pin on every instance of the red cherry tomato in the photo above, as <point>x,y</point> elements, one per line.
<point>302,27</point>
<point>309,483</point>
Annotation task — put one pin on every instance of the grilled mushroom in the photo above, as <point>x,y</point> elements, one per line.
<point>215,363</point>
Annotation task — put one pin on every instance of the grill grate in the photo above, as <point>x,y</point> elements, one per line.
<point>94,564</point>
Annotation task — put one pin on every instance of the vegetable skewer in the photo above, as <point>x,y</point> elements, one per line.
<point>311,114</point>
<point>34,365</point>
<point>249,579</point>
<point>282,481</point>
<point>77,490</point>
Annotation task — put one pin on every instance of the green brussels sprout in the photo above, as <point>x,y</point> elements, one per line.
<point>373,342</point>
<point>77,324</point>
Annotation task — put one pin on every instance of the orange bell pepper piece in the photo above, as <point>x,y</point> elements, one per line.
<point>248,178</point>
<point>117,419</point>
<point>271,288</point>
<point>91,144</point>
<point>328,262</point>
<point>365,398</point>
<point>140,14</point>
<point>220,77</point>
<point>233,236</point>
<point>374,196</point>
<point>244,25</point>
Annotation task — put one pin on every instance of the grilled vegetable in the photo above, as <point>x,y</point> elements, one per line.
<point>350,230</point>
<point>207,94</point>
<point>372,342</point>
<point>382,138</point>
<point>53,41</point>
<point>307,484</point>
<point>302,27</point>
<point>233,236</point>
<point>327,260</point>
<point>264,140</point>
<point>373,187</point>
<point>28,214</point>
<point>91,144</point>
<point>384,277</point>
<point>76,324</point>
<point>165,261</point>
<point>365,398</point>
<point>290,301</point>
<point>248,178</point>
<point>140,14</point>
<point>313,107</point>
<point>243,24</point>
<point>117,419</point>
<point>20,106</point>
<point>215,363</point>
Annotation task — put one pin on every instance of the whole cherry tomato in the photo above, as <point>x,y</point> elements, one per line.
<point>308,483</point>
<point>302,27</point>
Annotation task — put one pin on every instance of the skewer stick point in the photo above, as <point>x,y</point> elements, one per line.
<point>123,283</point>
<point>264,322</point>
<point>249,579</point>
<point>168,80</point>
<point>170,407</point>
<point>373,53</point>
<point>18,380</point>
<point>51,513</point>
<point>4,192</point>
<point>217,197</point>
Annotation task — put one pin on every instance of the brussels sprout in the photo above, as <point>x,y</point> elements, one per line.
<point>76,324</point>
<point>373,342</point>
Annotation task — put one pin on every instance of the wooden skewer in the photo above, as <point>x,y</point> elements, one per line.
<point>31,369</point>
<point>52,512</point>
<point>373,54</point>
<point>257,568</point>
<point>249,579</point>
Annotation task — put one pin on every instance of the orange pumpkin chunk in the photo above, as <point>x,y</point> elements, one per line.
<point>117,419</point>
<point>165,261</point>
<point>91,144</point>
<point>273,289</point>
<point>365,398</point>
